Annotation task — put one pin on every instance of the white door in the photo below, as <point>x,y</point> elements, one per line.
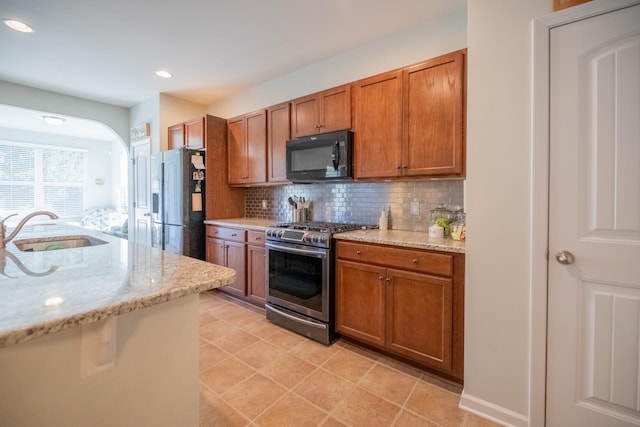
<point>141,155</point>
<point>593,349</point>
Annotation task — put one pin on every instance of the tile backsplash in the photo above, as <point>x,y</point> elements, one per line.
<point>358,202</point>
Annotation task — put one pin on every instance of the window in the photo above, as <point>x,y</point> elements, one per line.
<point>41,177</point>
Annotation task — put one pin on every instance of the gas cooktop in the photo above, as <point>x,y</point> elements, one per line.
<point>311,233</point>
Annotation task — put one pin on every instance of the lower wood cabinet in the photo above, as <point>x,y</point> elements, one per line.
<point>404,301</point>
<point>244,252</point>
<point>256,276</point>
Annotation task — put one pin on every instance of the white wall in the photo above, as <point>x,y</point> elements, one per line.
<point>114,117</point>
<point>430,39</point>
<point>148,112</point>
<point>497,312</point>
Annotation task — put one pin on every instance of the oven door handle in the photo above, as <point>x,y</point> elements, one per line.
<point>318,254</point>
<point>296,319</point>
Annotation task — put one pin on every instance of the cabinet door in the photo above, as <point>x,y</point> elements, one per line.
<point>335,109</point>
<point>237,151</point>
<point>419,317</point>
<point>433,122</point>
<point>256,134</point>
<point>360,301</point>
<point>176,137</point>
<point>215,251</point>
<point>279,131</point>
<point>194,133</point>
<point>256,278</point>
<point>305,113</point>
<point>377,103</point>
<point>236,260</point>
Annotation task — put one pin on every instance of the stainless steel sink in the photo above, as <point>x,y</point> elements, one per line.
<point>53,243</point>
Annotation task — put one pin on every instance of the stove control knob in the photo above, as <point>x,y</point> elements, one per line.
<point>323,239</point>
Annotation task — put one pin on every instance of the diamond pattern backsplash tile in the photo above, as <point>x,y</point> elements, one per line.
<point>358,202</point>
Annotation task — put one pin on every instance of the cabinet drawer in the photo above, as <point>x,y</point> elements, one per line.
<point>255,238</point>
<point>405,259</point>
<point>234,234</point>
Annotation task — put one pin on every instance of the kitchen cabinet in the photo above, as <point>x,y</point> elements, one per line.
<point>406,302</point>
<point>378,126</point>
<point>410,122</point>
<point>247,149</point>
<point>226,247</point>
<point>244,251</point>
<point>256,277</point>
<point>190,134</point>
<point>321,112</point>
<point>278,132</point>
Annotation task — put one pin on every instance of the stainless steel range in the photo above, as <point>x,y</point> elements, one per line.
<point>300,269</point>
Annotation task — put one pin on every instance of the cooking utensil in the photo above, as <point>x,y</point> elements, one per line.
<point>292,203</point>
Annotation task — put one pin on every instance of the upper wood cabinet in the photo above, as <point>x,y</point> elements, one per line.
<point>433,128</point>
<point>377,105</point>
<point>410,122</point>
<point>278,132</point>
<point>190,134</point>
<point>247,143</point>
<point>321,112</point>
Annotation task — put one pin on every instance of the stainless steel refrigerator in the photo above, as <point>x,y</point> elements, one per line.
<point>177,189</point>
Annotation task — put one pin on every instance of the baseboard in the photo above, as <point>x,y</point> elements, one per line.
<point>492,412</point>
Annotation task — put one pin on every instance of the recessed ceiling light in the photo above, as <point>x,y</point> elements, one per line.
<point>18,26</point>
<point>164,74</point>
<point>53,120</point>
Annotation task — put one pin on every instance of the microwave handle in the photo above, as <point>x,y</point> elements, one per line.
<point>335,154</point>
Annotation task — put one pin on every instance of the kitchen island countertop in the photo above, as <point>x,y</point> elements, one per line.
<point>45,292</point>
<point>409,239</point>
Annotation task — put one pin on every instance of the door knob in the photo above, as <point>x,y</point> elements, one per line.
<point>565,257</point>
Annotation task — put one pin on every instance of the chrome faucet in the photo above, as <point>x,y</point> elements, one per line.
<point>3,228</point>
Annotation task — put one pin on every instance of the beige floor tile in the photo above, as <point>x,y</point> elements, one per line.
<point>235,340</point>
<point>214,412</point>
<point>215,328</point>
<point>314,352</point>
<point>324,389</point>
<point>441,406</point>
<point>226,374</point>
<point>210,355</point>
<point>260,354</point>
<point>288,369</point>
<point>348,365</point>
<point>388,383</point>
<point>262,328</point>
<point>243,318</point>
<point>291,411</point>
<point>332,422</point>
<point>253,396</point>
<point>362,408</point>
<point>285,339</point>
<point>409,419</point>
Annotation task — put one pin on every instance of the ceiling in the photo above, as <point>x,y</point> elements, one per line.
<point>108,51</point>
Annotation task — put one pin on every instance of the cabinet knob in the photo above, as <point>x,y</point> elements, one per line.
<point>404,166</point>
<point>258,238</point>
<point>388,279</point>
<point>234,235</point>
<point>415,261</point>
<point>380,278</point>
<point>399,167</point>
<point>358,252</point>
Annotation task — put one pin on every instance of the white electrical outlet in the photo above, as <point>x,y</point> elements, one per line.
<point>415,208</point>
<point>264,204</point>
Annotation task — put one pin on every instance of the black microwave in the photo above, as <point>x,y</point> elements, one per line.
<point>322,157</point>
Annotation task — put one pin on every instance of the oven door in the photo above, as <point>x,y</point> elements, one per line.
<point>298,279</point>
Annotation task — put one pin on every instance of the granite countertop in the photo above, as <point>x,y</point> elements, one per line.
<point>409,239</point>
<point>45,292</point>
<point>256,224</point>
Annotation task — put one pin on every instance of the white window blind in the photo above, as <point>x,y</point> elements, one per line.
<point>41,177</point>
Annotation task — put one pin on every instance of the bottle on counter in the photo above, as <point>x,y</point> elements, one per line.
<point>383,222</point>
